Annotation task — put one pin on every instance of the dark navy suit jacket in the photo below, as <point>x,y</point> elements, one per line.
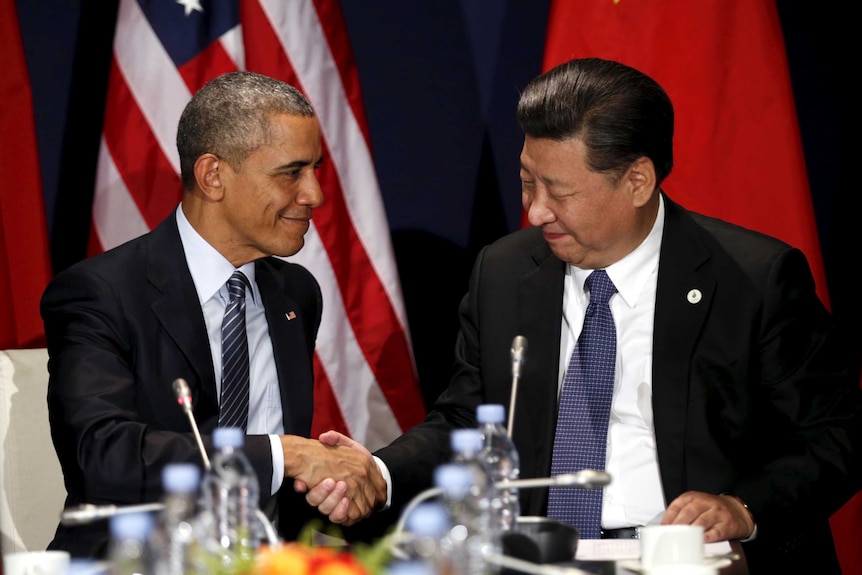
<point>121,326</point>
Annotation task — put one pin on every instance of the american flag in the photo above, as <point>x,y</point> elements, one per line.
<point>366,383</point>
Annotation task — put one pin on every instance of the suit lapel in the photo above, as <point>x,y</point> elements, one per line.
<point>178,310</point>
<point>540,309</point>
<point>684,295</point>
<point>286,332</point>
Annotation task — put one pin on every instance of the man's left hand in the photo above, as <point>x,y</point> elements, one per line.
<point>723,517</point>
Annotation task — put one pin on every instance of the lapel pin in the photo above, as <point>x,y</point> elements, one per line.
<point>694,296</point>
<point>290,315</point>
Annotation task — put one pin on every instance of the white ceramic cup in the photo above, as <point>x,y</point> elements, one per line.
<point>36,563</point>
<point>670,545</point>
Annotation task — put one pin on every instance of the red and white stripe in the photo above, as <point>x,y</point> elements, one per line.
<point>366,383</point>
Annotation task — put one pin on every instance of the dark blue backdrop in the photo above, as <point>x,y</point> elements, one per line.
<point>440,79</point>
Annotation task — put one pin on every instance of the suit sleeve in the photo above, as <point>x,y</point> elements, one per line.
<point>114,420</point>
<point>412,458</point>
<point>814,410</point>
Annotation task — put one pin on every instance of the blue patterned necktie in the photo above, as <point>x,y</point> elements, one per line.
<point>585,405</point>
<point>233,411</point>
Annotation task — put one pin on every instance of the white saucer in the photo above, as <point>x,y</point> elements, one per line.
<point>635,564</point>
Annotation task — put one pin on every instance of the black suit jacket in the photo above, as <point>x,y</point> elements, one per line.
<point>121,327</point>
<point>751,392</point>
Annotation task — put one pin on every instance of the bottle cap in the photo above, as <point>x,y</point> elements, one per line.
<point>411,567</point>
<point>467,440</point>
<point>429,518</point>
<point>228,437</point>
<point>135,525</point>
<point>490,413</point>
<point>181,477</point>
<point>454,479</point>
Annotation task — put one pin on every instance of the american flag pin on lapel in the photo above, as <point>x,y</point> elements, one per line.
<point>290,315</point>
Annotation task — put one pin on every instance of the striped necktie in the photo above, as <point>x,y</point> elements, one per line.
<point>233,410</point>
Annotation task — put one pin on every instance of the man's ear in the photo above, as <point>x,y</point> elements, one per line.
<point>641,179</point>
<point>208,177</point>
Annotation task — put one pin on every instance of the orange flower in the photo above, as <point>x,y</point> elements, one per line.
<point>299,559</point>
<point>289,558</point>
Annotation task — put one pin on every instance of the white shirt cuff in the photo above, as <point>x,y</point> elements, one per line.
<point>277,463</point>
<point>384,471</point>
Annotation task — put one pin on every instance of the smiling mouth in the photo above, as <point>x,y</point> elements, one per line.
<point>297,219</point>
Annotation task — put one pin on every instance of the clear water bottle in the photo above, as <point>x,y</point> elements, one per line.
<point>129,550</point>
<point>500,458</point>
<point>471,536</point>
<point>230,494</point>
<point>467,543</point>
<point>467,447</point>
<point>427,527</point>
<point>174,534</point>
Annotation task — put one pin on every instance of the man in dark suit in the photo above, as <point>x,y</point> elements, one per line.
<point>123,325</point>
<point>733,404</point>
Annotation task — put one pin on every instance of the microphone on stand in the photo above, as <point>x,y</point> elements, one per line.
<point>537,542</point>
<point>87,513</point>
<point>584,479</point>
<point>519,352</point>
<point>184,398</point>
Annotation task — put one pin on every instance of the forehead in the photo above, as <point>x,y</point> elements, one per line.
<point>292,130</point>
<point>544,156</point>
<point>291,139</point>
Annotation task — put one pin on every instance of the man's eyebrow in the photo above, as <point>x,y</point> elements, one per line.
<point>544,179</point>
<point>293,165</point>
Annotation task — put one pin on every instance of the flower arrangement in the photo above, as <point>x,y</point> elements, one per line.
<point>304,557</point>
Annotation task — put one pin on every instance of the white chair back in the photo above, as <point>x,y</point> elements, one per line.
<point>31,482</point>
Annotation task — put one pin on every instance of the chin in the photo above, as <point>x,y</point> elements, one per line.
<point>288,250</point>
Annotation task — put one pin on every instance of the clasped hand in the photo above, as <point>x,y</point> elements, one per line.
<point>337,474</point>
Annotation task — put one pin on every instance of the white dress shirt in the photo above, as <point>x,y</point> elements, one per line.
<point>634,496</point>
<point>210,272</point>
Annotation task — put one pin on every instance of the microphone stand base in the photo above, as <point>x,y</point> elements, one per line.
<point>541,540</point>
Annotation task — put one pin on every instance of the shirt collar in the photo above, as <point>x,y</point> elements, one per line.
<point>209,269</point>
<point>631,273</point>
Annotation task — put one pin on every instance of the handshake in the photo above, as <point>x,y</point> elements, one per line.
<point>338,475</point>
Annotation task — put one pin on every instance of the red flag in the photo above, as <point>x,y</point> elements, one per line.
<point>366,382</point>
<point>25,261</point>
<point>737,148</point>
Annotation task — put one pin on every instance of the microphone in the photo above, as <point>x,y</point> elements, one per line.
<point>184,398</point>
<point>584,479</point>
<point>87,513</point>
<point>519,351</point>
<point>559,546</point>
